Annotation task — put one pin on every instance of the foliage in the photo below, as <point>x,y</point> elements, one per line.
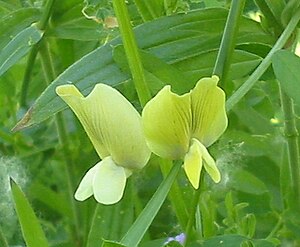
<point>44,44</point>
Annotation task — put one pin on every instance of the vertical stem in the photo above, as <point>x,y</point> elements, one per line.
<point>223,61</point>
<point>276,228</point>
<point>131,51</point>
<point>42,24</point>
<point>291,136</point>
<point>50,75</point>
<point>46,14</point>
<point>27,74</point>
<point>134,235</point>
<point>193,210</point>
<point>175,195</point>
<point>191,221</point>
<point>240,93</point>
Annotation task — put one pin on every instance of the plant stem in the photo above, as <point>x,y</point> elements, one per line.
<point>291,135</point>
<point>42,24</point>
<point>175,195</point>
<point>142,223</point>
<point>276,228</point>
<point>223,61</point>
<point>50,75</point>
<point>191,221</point>
<point>240,93</point>
<point>27,74</point>
<point>267,12</point>
<point>195,209</point>
<point>131,51</point>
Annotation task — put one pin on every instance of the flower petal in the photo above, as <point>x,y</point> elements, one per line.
<point>85,188</point>
<point>209,163</point>
<point>208,111</point>
<point>109,182</point>
<point>166,121</point>
<point>193,164</point>
<point>111,122</point>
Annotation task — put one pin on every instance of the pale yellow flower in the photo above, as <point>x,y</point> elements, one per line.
<point>182,127</point>
<point>114,128</point>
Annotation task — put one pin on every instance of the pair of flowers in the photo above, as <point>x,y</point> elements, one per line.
<point>171,126</point>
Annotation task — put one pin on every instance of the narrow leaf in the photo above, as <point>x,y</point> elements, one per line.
<point>15,22</point>
<point>31,228</point>
<point>111,222</point>
<point>50,198</point>
<point>150,10</point>
<point>286,68</point>
<point>18,47</point>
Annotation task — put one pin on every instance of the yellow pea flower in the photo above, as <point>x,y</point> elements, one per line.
<point>182,127</point>
<point>115,130</point>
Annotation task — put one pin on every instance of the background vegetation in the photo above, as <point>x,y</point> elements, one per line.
<point>252,50</point>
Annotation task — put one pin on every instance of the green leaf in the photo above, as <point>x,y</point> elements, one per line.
<point>31,228</point>
<point>289,10</point>
<point>276,7</point>
<point>72,24</point>
<point>173,39</point>
<point>234,240</point>
<point>3,241</point>
<point>268,11</point>
<point>111,222</point>
<point>112,244</point>
<point>224,241</point>
<point>286,68</point>
<point>242,64</point>
<point>150,10</point>
<point>99,230</point>
<point>158,72</point>
<point>154,243</point>
<point>15,22</point>
<point>55,201</point>
<point>18,47</point>
<point>7,6</point>
<point>248,183</point>
<point>174,244</point>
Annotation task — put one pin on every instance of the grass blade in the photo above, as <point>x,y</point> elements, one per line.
<point>31,228</point>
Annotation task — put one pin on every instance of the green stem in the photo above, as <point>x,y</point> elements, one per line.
<point>267,12</point>
<point>46,14</point>
<point>42,24</point>
<point>131,51</point>
<point>50,75</point>
<point>291,135</point>
<point>195,210</point>
<point>240,93</point>
<point>27,74</point>
<point>142,223</point>
<point>223,61</point>
<point>275,229</point>
<point>175,195</point>
<point>191,221</point>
